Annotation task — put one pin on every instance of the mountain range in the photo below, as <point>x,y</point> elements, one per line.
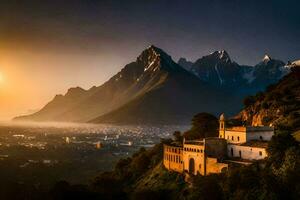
<point>219,70</point>
<point>156,90</point>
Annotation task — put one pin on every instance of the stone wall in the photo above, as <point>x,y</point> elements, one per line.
<point>213,166</point>
<point>195,153</point>
<point>260,135</point>
<point>172,159</point>
<point>247,152</point>
<point>235,137</point>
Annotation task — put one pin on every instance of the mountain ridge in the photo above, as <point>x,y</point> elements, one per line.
<point>152,79</point>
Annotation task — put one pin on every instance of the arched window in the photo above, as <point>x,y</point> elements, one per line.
<point>238,138</point>
<point>232,138</point>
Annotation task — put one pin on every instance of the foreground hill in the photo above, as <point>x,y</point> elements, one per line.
<point>279,105</point>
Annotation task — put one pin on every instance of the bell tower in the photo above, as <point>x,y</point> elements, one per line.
<point>222,126</point>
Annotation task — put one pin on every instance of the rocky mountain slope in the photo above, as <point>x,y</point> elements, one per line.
<point>155,89</point>
<point>152,89</point>
<point>176,97</point>
<point>279,105</point>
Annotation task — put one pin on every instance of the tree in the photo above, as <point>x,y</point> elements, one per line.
<point>206,187</point>
<point>203,125</point>
<point>279,143</point>
<point>248,101</point>
<point>177,136</point>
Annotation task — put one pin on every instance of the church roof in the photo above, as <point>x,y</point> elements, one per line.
<point>256,143</point>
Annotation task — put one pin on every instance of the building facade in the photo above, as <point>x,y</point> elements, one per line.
<point>212,155</point>
<point>246,142</point>
<point>173,158</point>
<point>196,156</point>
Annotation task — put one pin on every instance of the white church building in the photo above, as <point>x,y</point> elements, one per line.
<point>246,142</point>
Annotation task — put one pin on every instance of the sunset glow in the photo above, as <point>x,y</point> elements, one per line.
<point>157,99</point>
<point>81,48</point>
<point>1,77</point>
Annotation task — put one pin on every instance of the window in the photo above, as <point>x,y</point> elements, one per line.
<point>260,137</point>
<point>231,151</point>
<point>240,153</point>
<point>232,138</point>
<point>198,150</point>
<point>260,153</point>
<point>238,138</point>
<point>201,151</point>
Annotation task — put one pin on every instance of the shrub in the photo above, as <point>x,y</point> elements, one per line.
<point>248,101</point>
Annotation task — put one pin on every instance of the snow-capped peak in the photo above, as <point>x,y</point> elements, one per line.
<point>222,55</point>
<point>290,64</point>
<point>296,63</point>
<point>266,58</point>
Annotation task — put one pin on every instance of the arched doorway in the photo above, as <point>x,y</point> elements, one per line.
<point>192,166</point>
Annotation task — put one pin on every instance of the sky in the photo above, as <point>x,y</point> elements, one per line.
<point>47,47</point>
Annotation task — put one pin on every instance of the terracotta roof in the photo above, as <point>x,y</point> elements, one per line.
<point>256,143</point>
<point>250,128</point>
<point>194,142</point>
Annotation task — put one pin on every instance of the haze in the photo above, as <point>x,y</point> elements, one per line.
<point>47,47</point>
